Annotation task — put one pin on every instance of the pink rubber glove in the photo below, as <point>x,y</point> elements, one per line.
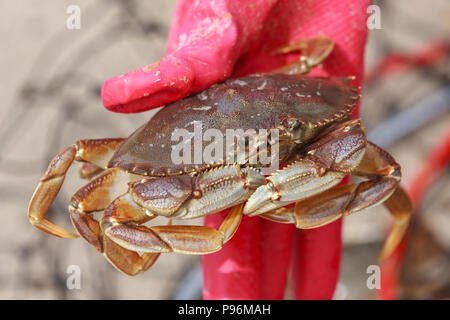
<point>211,41</point>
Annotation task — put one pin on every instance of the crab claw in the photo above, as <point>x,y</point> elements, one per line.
<point>314,51</point>
<point>298,181</point>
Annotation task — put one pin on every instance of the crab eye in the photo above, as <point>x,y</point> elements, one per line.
<point>291,124</point>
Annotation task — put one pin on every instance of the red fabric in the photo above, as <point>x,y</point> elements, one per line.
<point>210,41</point>
<point>394,63</point>
<point>317,262</point>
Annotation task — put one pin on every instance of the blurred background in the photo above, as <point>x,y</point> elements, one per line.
<point>51,79</point>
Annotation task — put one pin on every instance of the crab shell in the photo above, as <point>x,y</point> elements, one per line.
<point>301,106</point>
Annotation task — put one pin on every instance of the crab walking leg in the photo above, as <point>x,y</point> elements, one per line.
<point>95,154</point>
<point>400,207</point>
<point>170,238</point>
<point>127,261</point>
<point>46,192</point>
<point>313,50</point>
<point>378,162</point>
<point>96,196</point>
<point>332,204</point>
<point>89,170</point>
<point>96,151</point>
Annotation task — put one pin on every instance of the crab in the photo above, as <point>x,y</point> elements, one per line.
<point>135,180</point>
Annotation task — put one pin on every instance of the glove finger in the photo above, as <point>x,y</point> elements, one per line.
<point>234,272</point>
<point>206,40</point>
<point>316,262</point>
<point>276,241</point>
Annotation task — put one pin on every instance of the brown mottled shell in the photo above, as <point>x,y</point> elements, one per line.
<point>260,101</point>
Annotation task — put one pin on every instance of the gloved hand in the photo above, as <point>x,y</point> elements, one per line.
<point>210,41</point>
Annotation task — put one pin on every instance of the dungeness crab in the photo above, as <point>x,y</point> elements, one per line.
<point>318,144</point>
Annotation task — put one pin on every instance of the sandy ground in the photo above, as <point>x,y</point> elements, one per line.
<point>51,79</point>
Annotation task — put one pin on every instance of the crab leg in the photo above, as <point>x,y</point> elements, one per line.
<point>97,151</point>
<point>321,209</point>
<point>378,162</point>
<point>89,170</point>
<point>314,51</point>
<point>170,238</point>
<point>400,207</point>
<point>96,196</point>
<point>127,261</point>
